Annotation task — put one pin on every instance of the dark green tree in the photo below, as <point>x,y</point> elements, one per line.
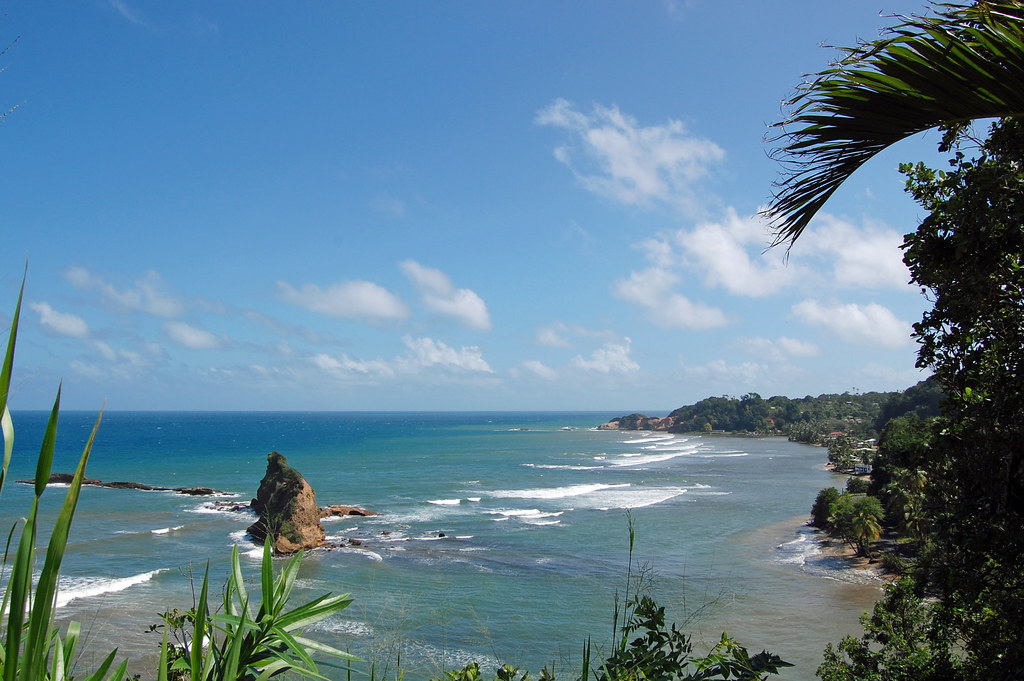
<point>824,507</point>
<point>963,63</point>
<point>968,255</point>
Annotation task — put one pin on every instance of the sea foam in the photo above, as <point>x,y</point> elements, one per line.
<point>74,588</point>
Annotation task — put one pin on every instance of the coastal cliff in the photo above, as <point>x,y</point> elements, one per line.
<point>287,509</point>
<point>640,422</point>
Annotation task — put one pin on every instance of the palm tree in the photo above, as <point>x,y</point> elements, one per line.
<point>866,526</point>
<point>966,62</point>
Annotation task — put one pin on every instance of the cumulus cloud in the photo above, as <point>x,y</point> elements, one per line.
<point>425,352</point>
<point>611,358</point>
<point>652,289</point>
<point>613,155</point>
<point>719,372</point>
<point>148,296</point>
<point>863,257</point>
<point>540,369</point>
<point>729,253</point>
<point>870,324</point>
<point>346,365</point>
<point>441,296</point>
<point>361,300</point>
<point>552,337</point>
<point>63,323</point>
<point>191,337</point>
<point>779,350</point>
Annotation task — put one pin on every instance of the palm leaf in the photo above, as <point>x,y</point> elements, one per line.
<point>964,63</point>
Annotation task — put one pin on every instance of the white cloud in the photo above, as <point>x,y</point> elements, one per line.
<point>864,257</point>
<point>870,324</point>
<point>552,337</point>
<point>647,288</point>
<point>191,337</point>
<point>90,371</point>
<point>441,296</point>
<point>718,372</point>
<point>64,323</point>
<point>361,300</point>
<point>779,350</point>
<point>130,13</point>
<point>105,350</point>
<point>147,296</point>
<point>798,348</point>
<point>347,365</point>
<point>651,289</point>
<point>630,163</point>
<point>730,253</point>
<point>540,369</point>
<point>613,357</point>
<point>678,311</point>
<point>429,352</point>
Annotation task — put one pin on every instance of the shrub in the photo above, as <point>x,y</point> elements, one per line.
<point>824,507</point>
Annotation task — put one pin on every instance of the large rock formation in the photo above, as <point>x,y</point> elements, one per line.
<point>287,508</point>
<point>639,422</point>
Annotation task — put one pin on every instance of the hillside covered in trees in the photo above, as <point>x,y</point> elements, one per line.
<point>805,419</point>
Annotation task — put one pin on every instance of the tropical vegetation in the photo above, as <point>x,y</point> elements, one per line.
<point>956,484</point>
<point>858,416</point>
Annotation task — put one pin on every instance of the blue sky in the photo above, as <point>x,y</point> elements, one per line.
<point>434,205</point>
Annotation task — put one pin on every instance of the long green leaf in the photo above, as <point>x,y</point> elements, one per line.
<point>310,613</point>
<point>45,460</point>
<point>266,580</point>
<point>317,646</point>
<point>47,587</point>
<point>283,586</point>
<point>5,385</point>
<point>237,580</point>
<point>199,630</point>
<point>161,671</point>
<point>20,588</point>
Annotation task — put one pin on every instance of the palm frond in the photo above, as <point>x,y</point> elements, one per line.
<point>961,64</point>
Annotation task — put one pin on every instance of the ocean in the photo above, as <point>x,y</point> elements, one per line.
<point>502,537</point>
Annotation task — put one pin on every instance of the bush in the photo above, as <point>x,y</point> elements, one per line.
<point>856,485</point>
<point>824,507</point>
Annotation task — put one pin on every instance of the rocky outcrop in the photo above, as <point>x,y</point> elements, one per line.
<point>639,422</point>
<point>287,509</point>
<point>341,510</point>
<point>66,478</point>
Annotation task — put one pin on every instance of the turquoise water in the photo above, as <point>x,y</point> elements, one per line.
<point>533,508</point>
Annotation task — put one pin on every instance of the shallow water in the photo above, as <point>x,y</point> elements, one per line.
<point>533,507</point>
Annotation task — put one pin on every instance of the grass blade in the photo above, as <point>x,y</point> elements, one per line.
<point>5,385</point>
<point>47,587</point>
<point>199,629</point>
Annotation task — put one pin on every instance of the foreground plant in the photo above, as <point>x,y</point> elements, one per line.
<point>245,644</point>
<point>33,648</point>
<point>648,649</point>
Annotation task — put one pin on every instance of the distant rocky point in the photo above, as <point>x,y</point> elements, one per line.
<point>66,478</point>
<point>640,422</point>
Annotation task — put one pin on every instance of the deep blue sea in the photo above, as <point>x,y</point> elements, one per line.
<point>533,509</point>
